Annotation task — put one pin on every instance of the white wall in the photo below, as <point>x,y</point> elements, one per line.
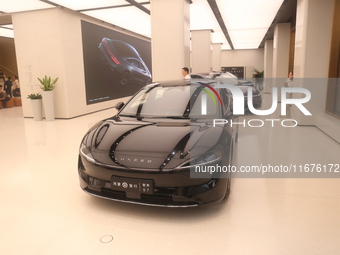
<point>249,58</point>
<point>50,42</point>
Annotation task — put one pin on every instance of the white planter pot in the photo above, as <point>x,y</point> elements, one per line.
<point>48,103</point>
<point>37,109</point>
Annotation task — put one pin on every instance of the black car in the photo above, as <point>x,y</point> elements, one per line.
<point>125,60</point>
<point>245,83</point>
<point>149,152</point>
<point>256,96</point>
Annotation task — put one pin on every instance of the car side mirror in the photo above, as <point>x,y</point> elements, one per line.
<point>119,105</point>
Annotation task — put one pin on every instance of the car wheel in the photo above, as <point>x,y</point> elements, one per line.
<point>236,138</point>
<point>125,78</point>
<point>227,192</point>
<point>228,188</point>
<point>236,131</point>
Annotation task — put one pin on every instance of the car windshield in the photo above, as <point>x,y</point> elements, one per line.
<point>172,102</point>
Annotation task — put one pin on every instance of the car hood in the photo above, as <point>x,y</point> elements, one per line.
<point>157,144</point>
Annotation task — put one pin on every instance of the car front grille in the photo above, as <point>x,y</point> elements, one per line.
<point>156,199</point>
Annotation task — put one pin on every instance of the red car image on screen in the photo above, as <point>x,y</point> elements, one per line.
<point>124,59</point>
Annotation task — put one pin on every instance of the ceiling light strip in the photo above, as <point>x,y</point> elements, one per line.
<point>216,11</point>
<point>6,27</point>
<point>112,7</point>
<point>49,2</point>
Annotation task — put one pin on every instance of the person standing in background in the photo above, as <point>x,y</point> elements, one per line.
<point>8,86</point>
<point>2,75</point>
<point>185,73</point>
<point>289,81</point>
<point>3,97</point>
<point>289,84</point>
<point>16,87</point>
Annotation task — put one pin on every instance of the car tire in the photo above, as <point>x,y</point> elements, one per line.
<point>236,138</point>
<point>227,191</point>
<point>230,163</point>
<point>228,188</point>
<point>125,77</point>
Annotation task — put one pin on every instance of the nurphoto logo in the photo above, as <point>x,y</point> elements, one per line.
<point>239,104</point>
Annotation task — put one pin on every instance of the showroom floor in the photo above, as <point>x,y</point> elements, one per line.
<point>44,211</point>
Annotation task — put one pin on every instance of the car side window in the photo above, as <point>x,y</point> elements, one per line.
<point>130,61</point>
<point>140,66</point>
<point>194,76</point>
<point>226,101</point>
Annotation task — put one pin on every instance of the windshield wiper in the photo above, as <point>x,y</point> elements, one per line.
<point>153,117</point>
<point>131,116</point>
<point>176,117</point>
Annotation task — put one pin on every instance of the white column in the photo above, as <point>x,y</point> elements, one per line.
<point>170,33</point>
<point>314,20</point>
<point>216,56</point>
<point>201,51</point>
<point>268,59</point>
<point>313,38</point>
<point>268,65</point>
<point>281,46</point>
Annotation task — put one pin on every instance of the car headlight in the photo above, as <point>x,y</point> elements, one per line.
<point>84,149</point>
<point>85,152</point>
<point>205,159</point>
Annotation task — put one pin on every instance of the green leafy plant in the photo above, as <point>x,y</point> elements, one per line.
<point>34,96</point>
<point>261,74</point>
<point>47,84</point>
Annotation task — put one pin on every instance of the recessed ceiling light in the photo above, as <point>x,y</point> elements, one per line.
<point>23,5</point>
<point>248,21</point>
<point>130,18</point>
<point>88,4</point>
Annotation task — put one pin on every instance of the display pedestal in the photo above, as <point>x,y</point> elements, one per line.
<point>48,102</point>
<point>37,109</point>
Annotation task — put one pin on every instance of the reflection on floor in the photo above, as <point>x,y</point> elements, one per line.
<point>44,211</point>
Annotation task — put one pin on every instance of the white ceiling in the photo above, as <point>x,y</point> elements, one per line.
<point>247,21</point>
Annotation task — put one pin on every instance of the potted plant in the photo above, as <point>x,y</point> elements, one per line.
<point>47,85</point>
<point>36,102</point>
<point>258,78</point>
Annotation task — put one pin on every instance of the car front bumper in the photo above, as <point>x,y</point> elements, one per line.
<point>169,189</point>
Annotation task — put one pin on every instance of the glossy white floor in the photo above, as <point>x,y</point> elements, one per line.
<point>44,211</point>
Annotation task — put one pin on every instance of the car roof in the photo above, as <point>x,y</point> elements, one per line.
<point>170,83</point>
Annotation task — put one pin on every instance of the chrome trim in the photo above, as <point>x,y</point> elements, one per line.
<point>138,203</point>
<point>246,96</point>
<point>201,164</point>
<point>130,168</point>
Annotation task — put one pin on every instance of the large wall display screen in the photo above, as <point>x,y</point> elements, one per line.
<point>115,64</point>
